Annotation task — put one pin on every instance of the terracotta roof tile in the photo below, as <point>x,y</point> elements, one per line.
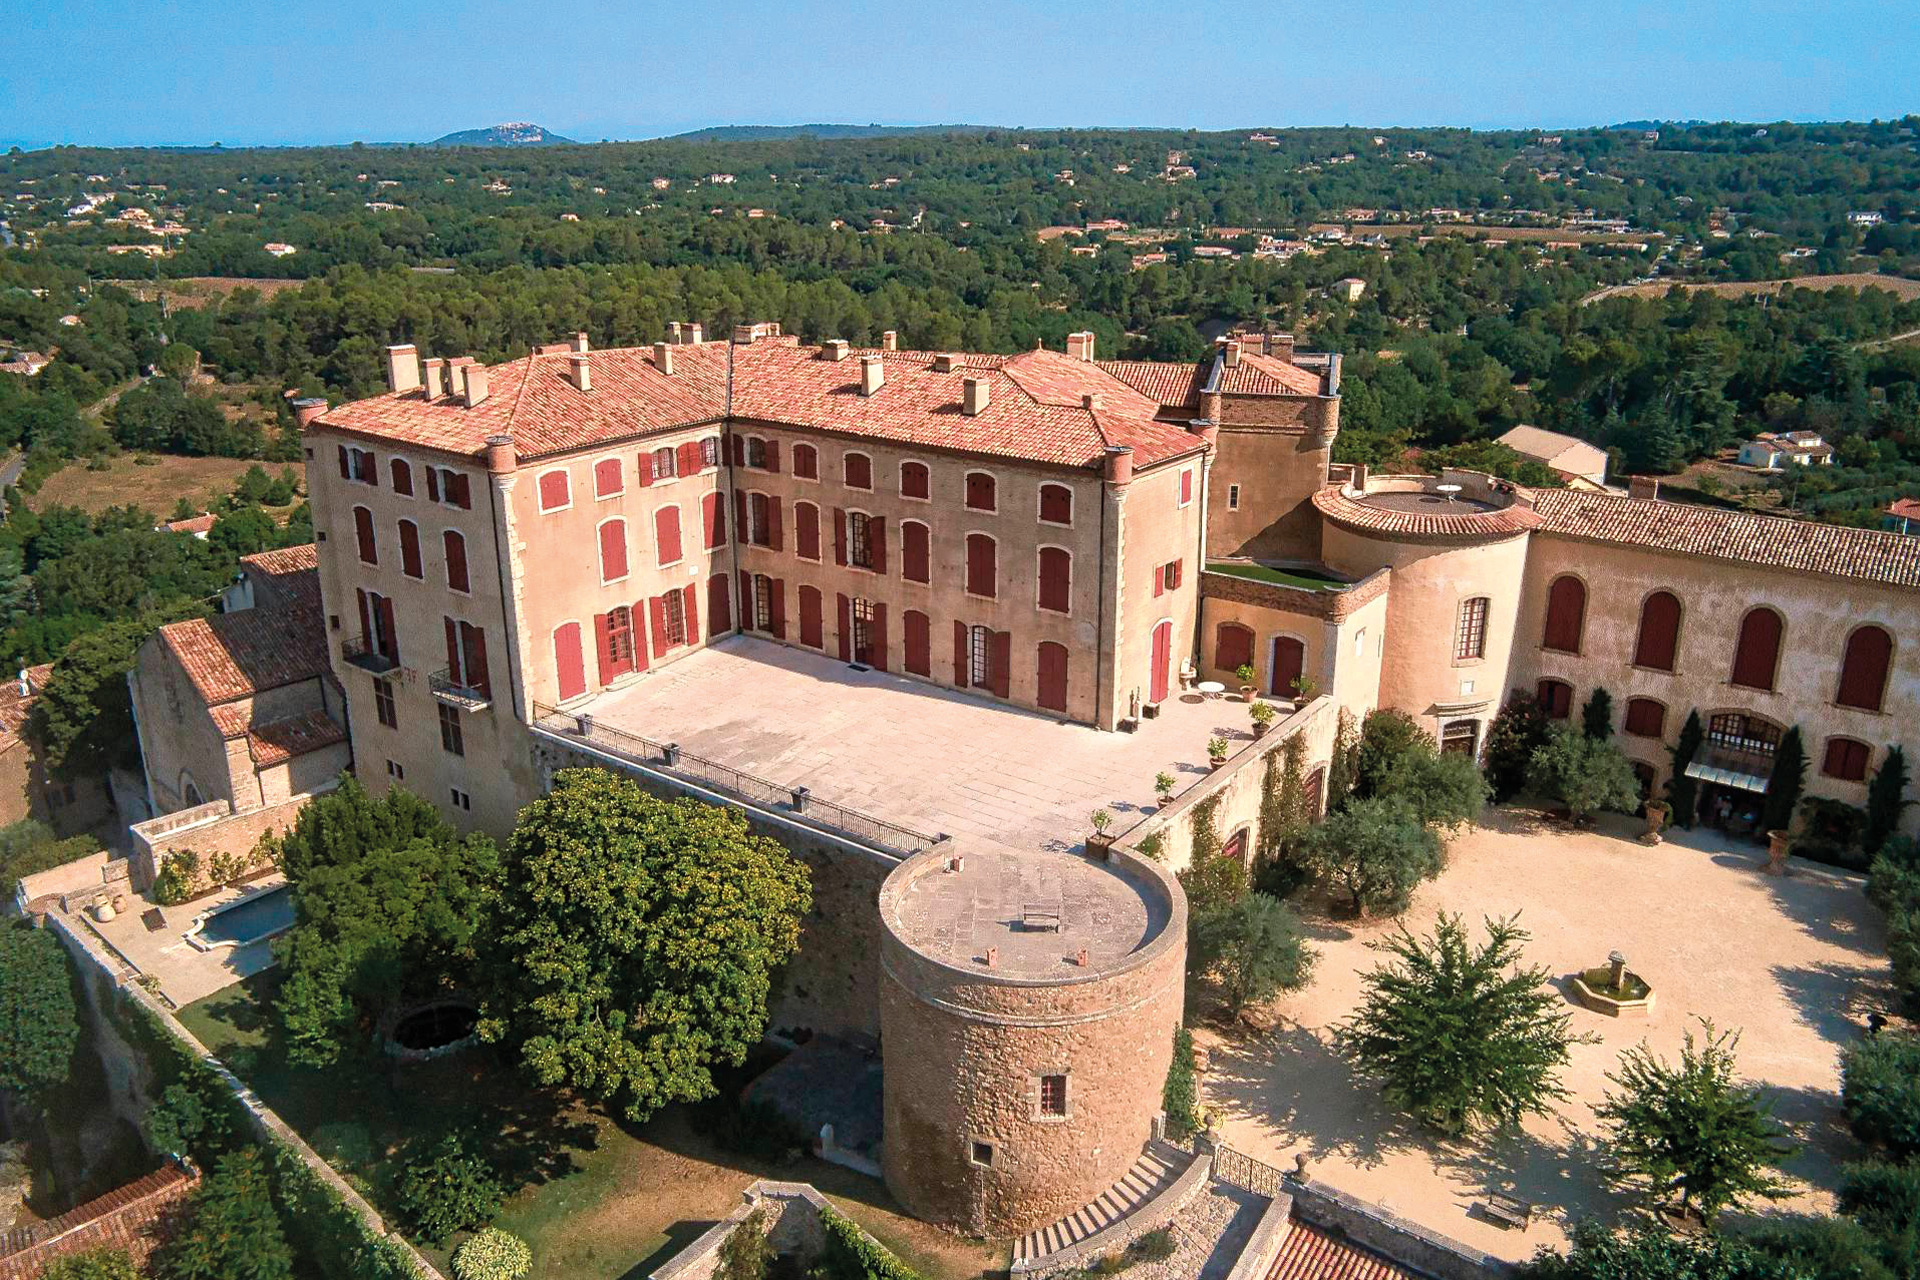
<point>291,574</point>
<point>1259,375</point>
<point>1309,1253</point>
<point>1905,508</point>
<point>1736,537</point>
<point>1468,526</point>
<point>1173,385</point>
<point>232,655</point>
<point>192,524</point>
<point>281,740</point>
<point>16,705</point>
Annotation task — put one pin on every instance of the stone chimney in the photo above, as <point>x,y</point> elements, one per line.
<point>403,368</point>
<point>834,349</point>
<point>872,376</point>
<point>1645,488</point>
<point>974,396</point>
<point>673,332</point>
<point>305,410</point>
<point>435,372</point>
<point>1280,345</point>
<point>473,388</point>
<point>890,341</point>
<point>1080,345</point>
<point>580,342</point>
<point>579,368</point>
<point>945,362</point>
<point>696,334</point>
<point>1090,402</point>
<point>1119,464</point>
<point>1231,353</point>
<point>500,455</point>
<point>663,358</point>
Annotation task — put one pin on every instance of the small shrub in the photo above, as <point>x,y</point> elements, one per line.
<point>1180,1097</point>
<point>1155,1246</point>
<point>225,868</point>
<point>178,879</point>
<point>746,1253</point>
<point>94,1264</point>
<point>1150,846</point>
<point>1880,1088</point>
<point>447,1189</point>
<point>145,460</point>
<point>1216,748</point>
<point>853,1255</point>
<point>493,1254</point>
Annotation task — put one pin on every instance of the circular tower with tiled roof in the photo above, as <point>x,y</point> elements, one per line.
<point>1028,1005</point>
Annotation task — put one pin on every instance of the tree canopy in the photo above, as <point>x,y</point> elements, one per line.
<point>39,1021</point>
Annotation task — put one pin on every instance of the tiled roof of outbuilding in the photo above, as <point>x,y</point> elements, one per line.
<point>1308,1253</point>
<point>279,740</point>
<point>292,574</point>
<point>1735,536</point>
<point>1259,375</point>
<point>232,655</point>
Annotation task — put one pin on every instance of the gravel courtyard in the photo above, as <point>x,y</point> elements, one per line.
<point>1794,964</point>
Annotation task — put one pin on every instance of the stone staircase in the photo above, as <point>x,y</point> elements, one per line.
<point>1158,1167</point>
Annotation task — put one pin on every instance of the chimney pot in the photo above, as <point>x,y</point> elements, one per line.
<point>974,396</point>
<point>663,358</point>
<point>1233,355</point>
<point>473,388</point>
<point>1080,345</point>
<point>1090,402</point>
<point>435,371</point>
<point>890,340</point>
<point>580,342</point>
<point>834,349</point>
<point>403,367</point>
<point>696,334</point>
<point>305,410</point>
<point>581,370</point>
<point>1645,488</point>
<point>872,375</point>
<point>1119,464</point>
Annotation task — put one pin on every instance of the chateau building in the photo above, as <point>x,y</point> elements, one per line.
<point>918,613</point>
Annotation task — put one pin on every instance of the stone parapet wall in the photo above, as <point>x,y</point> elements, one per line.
<point>1385,1232</point>
<point>793,1227</point>
<point>208,829</point>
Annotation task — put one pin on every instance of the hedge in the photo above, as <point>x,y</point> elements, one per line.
<point>852,1254</point>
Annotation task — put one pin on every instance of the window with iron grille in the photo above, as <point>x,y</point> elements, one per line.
<point>979,662</point>
<point>1470,632</point>
<point>383,704</point>
<point>756,452</point>
<point>859,547</point>
<point>663,464</point>
<point>762,602</point>
<point>452,737</point>
<point>620,636</point>
<point>862,630</point>
<point>675,612</point>
<point>710,451</point>
<point>1053,1095</point>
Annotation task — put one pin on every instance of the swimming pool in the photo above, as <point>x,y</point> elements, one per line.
<point>245,920</point>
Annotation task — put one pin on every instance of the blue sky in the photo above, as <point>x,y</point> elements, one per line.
<point>199,71</point>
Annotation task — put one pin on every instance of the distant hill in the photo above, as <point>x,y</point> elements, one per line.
<point>516,134</point>
<point>764,132</point>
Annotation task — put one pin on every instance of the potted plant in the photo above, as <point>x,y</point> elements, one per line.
<point>1657,813</point>
<point>1216,751</point>
<point>1245,675</point>
<point>1262,714</point>
<point>1163,784</point>
<point>1304,687</point>
<point>1100,842</point>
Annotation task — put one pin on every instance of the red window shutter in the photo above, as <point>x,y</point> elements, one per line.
<point>1863,668</point>
<point>981,570</point>
<point>366,617</point>
<point>1846,760</point>
<point>363,534</point>
<point>389,633</point>
<point>666,534</point>
<point>433,484</point>
<point>1178,572</point>
<point>712,520</point>
<point>690,605</point>
<point>877,543</point>
<point>1645,718</point>
<point>410,549</point>
<point>806,462</point>
<point>1659,638</point>
<point>474,642</point>
<point>553,490</point>
<point>687,458</point>
<point>960,654</point>
<point>456,549</point>
<point>810,634</point>
<point>719,607</point>
<point>1056,579</point>
<point>739,445</point>
<point>606,478</point>
<point>1556,698</point>
<point>603,645</point>
<point>773,523</point>
<point>1000,663</point>
<point>1757,653</point>
<point>749,604</point>
<point>806,530</point>
<point>846,629</point>
<point>638,616</point>
<point>919,659</point>
<point>345,472</point>
<point>643,469</point>
<point>1186,487</point>
<point>740,516</point>
<point>657,622</point>
<point>1566,614</point>
<point>914,552</point>
<point>1232,647</point>
<point>458,493</point>
<point>839,536</point>
<point>914,480</point>
<point>568,665</point>
<point>1160,580</point>
<point>879,634</point>
<point>779,609</point>
<point>1056,504</point>
<point>613,550</point>
<point>773,456</point>
<point>402,477</point>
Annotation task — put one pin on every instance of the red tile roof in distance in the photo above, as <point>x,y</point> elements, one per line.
<point>291,574</point>
<point>1771,542</point>
<point>1308,1253</point>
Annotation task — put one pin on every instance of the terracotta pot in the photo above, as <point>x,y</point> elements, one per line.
<point>1099,842</point>
<point>1777,853</point>
<point>1247,691</point>
<point>1260,728</point>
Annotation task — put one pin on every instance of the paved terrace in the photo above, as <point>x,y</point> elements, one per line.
<point>937,760</point>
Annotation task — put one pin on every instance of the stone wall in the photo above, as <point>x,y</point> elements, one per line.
<point>209,829</point>
<point>1386,1232</point>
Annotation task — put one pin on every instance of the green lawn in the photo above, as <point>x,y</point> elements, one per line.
<point>599,1198</point>
<point>1306,579</point>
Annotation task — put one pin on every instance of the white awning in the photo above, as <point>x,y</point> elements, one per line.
<point>1707,771</point>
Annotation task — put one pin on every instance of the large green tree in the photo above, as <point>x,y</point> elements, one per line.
<point>1583,773</point>
<point>1691,1128</point>
<point>390,900</point>
<point>39,1021</point>
<point>232,1229</point>
<point>1376,851</point>
<point>1456,1034</point>
<point>83,720</point>
<point>1253,948</point>
<point>1650,1254</point>
<point>637,940</point>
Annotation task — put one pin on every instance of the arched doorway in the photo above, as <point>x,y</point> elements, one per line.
<point>1286,663</point>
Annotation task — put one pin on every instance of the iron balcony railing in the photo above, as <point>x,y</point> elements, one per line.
<point>364,652</point>
<point>792,802</point>
<point>458,693</point>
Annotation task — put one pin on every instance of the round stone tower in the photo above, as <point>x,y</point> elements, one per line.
<point>1027,1008</point>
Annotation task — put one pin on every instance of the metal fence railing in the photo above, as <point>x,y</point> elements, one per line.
<point>791,802</point>
<point>1236,1168</point>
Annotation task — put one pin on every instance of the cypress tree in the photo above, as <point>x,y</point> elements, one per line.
<point>1596,718</point>
<point>1785,783</point>
<point>1682,791</point>
<point>1886,798</point>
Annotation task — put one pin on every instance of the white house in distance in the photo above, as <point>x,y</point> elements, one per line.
<point>1349,289</point>
<point>1772,451</point>
<point>1572,459</point>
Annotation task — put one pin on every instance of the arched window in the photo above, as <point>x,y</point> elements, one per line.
<point>915,480</point>
<point>666,535</point>
<point>1645,718</point>
<point>1846,760</point>
<point>1658,643</point>
<point>916,557</point>
<point>1056,579</point>
<point>1863,668</point>
<point>607,479</point>
<point>857,470</point>
<point>555,493</point>
<point>1232,646</point>
<point>1056,504</point>
<point>1556,698</point>
<point>1756,655</point>
<point>982,571</point>
<point>756,452</point>
<point>980,491</point>
<point>402,473</point>
<point>455,546</point>
<point>806,462</point>
<point>613,550</point>
<point>1051,676</point>
<point>410,549</point>
<point>1470,630</point>
<point>1566,614</point>
<point>363,535</point>
<point>806,529</point>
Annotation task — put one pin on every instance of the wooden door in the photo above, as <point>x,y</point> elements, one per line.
<point>1053,676</point>
<point>568,662</point>
<point>1162,655</point>
<point>1289,663</point>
